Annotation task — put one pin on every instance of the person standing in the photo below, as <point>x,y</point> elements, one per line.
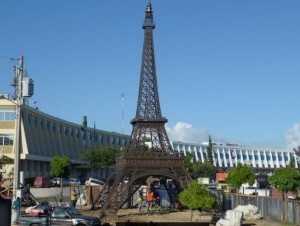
<point>17,207</point>
<point>149,199</point>
<point>74,197</point>
<point>140,200</point>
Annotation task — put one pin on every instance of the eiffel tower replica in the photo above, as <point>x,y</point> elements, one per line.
<point>150,154</point>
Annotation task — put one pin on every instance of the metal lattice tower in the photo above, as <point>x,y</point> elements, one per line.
<point>150,153</point>
<point>148,124</point>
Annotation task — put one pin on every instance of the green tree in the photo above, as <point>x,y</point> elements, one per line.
<point>60,166</point>
<point>285,179</point>
<point>205,169</point>
<point>4,160</point>
<point>197,197</point>
<point>240,175</point>
<point>188,160</point>
<point>209,149</point>
<point>105,156</point>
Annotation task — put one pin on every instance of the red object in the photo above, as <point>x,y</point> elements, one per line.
<point>221,176</point>
<point>274,193</point>
<point>42,182</point>
<point>149,196</point>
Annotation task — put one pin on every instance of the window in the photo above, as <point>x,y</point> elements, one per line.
<point>6,139</point>
<point>59,213</point>
<point>8,115</point>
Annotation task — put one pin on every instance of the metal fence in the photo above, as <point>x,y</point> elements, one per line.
<point>271,208</point>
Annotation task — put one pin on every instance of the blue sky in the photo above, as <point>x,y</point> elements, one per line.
<point>226,68</point>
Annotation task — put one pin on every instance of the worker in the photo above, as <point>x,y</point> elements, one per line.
<point>74,197</point>
<point>149,199</point>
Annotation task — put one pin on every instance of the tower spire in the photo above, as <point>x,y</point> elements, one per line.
<point>148,124</point>
<point>149,17</point>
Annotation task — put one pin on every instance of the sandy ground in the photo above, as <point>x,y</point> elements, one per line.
<point>165,215</point>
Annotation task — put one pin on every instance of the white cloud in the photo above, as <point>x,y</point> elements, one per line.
<point>292,136</point>
<point>185,132</point>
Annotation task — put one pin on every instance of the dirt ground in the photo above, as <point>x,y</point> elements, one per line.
<point>165,215</point>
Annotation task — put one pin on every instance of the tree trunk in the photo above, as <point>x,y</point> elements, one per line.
<point>192,215</point>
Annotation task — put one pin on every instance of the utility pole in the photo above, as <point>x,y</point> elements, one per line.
<point>19,103</point>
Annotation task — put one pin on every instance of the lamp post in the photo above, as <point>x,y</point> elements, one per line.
<point>19,103</point>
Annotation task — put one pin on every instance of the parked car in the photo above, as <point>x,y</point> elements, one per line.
<point>93,181</point>
<point>74,181</point>
<point>59,215</point>
<point>42,182</point>
<point>58,180</point>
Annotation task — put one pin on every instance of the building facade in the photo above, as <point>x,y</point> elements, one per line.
<point>262,160</point>
<point>44,136</point>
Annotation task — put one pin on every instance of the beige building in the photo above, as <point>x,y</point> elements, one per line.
<point>44,136</point>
